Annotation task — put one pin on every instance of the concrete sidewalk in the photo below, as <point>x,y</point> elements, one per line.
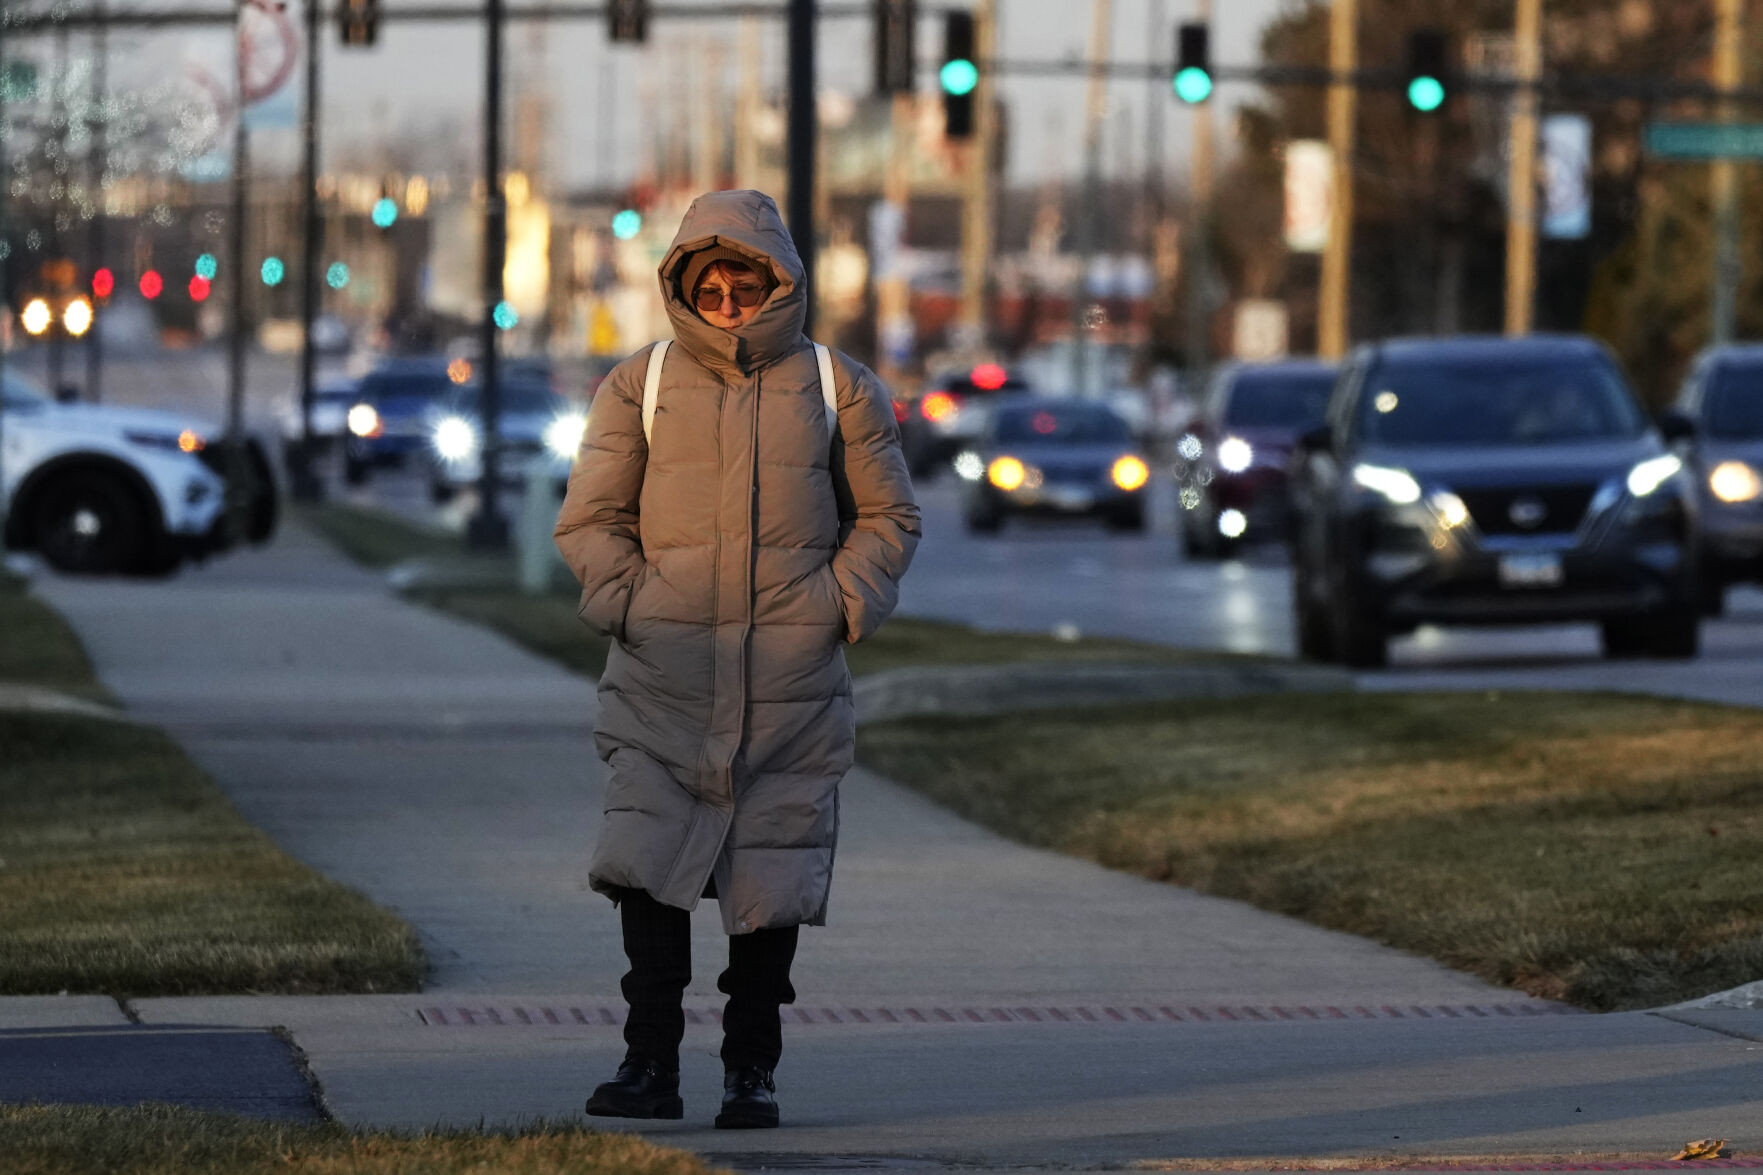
<point>1011,1006</point>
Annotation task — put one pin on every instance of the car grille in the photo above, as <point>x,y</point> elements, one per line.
<point>1563,508</point>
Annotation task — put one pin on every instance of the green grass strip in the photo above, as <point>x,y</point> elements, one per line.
<point>154,1139</point>
<point>39,648</point>
<point>1594,848</point>
<point>547,624</point>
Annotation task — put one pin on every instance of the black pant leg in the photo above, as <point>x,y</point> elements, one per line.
<point>658,943</point>
<point>757,982</point>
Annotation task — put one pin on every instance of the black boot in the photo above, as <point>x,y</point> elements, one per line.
<point>642,1089</point>
<point>747,1103</point>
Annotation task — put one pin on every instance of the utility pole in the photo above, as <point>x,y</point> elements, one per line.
<point>1101,17</point>
<point>893,299</point>
<point>801,149</point>
<point>99,162</point>
<point>1337,254</point>
<point>976,195</point>
<point>488,530</point>
<point>1728,261</point>
<point>1196,257</point>
<point>1521,227</point>
<point>748,100</point>
<point>307,487</point>
<point>235,420</point>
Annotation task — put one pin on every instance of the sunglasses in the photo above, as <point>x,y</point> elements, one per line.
<point>746,297</point>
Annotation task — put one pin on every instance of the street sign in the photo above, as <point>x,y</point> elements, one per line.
<point>1705,140</point>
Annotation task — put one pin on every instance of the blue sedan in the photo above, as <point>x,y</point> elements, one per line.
<point>1065,458</point>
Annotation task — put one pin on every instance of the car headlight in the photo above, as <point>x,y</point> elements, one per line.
<point>1451,509</point>
<point>1235,454</point>
<point>1130,473</point>
<point>187,441</point>
<point>1398,485</point>
<point>563,436</point>
<point>1007,473</point>
<point>364,421</point>
<point>1734,481</point>
<point>1189,447</point>
<point>1652,473</point>
<point>969,466</point>
<point>454,438</point>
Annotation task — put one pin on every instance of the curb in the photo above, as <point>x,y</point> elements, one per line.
<point>979,690</point>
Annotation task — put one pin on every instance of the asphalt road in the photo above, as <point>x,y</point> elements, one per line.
<point>1048,575</point>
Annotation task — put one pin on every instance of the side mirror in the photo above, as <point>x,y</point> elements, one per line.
<point>1317,440</point>
<point>1674,426</point>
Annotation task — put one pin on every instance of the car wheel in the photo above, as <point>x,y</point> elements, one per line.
<point>440,493</point>
<point>355,471</point>
<point>1315,640</point>
<point>1127,519</point>
<point>984,519</point>
<point>93,523</point>
<point>1710,596</point>
<point>1623,638</point>
<point>1198,546</point>
<point>1358,638</point>
<point>1675,635</point>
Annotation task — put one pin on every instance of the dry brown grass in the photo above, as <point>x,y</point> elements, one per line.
<point>1595,848</point>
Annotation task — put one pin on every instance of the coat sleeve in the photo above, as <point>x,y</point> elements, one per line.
<point>879,520</point>
<point>598,530</point>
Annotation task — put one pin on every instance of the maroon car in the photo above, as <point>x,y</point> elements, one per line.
<point>1230,465</point>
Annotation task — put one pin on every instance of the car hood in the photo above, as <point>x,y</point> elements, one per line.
<point>1529,465</point>
<point>94,418</point>
<point>1063,456</point>
<point>1714,450</point>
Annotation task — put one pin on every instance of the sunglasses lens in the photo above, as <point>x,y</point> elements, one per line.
<point>745,297</point>
<point>708,299</point>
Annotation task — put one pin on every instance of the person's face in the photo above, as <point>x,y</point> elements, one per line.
<point>728,296</point>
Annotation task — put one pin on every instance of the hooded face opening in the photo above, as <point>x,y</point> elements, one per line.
<point>729,294</point>
<point>742,227</point>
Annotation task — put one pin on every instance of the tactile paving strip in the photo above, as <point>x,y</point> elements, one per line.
<point>518,1015</point>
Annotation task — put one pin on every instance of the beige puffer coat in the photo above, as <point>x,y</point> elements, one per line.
<point>729,561</point>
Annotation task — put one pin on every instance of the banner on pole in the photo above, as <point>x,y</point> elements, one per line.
<point>1309,191</point>
<point>1566,177</point>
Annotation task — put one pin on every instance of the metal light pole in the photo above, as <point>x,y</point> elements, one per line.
<point>1728,261</point>
<point>95,124</point>
<point>306,484</point>
<point>976,193</point>
<point>1521,227</point>
<point>235,421</point>
<point>1337,254</point>
<point>1196,254</point>
<point>1101,13</point>
<point>488,529</point>
<point>801,145</point>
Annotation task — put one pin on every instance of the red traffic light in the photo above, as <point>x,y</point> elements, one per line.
<point>151,284</point>
<point>988,377</point>
<point>199,287</point>
<point>103,283</point>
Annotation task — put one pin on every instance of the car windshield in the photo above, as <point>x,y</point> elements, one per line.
<point>524,399</point>
<point>1475,402</point>
<point>1288,400</point>
<point>19,392</point>
<point>1735,404</point>
<point>1072,425</point>
<point>385,386</point>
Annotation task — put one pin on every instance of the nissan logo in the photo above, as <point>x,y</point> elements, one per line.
<point>1527,512</point>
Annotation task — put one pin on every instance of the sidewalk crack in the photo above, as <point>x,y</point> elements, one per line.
<point>127,1009</point>
<point>1688,1023</point>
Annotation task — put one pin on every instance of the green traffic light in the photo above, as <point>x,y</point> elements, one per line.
<point>627,224</point>
<point>1426,94</point>
<point>337,276</point>
<point>504,316</point>
<point>1193,85</point>
<point>207,267</point>
<point>385,212</point>
<point>959,76</point>
<point>273,271</point>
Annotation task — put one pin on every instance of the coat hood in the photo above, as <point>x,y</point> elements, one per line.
<point>748,223</point>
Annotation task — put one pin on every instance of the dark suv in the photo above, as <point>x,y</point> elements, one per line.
<point>1490,481</point>
<point>389,421</point>
<point>1722,401</point>
<point>1230,464</point>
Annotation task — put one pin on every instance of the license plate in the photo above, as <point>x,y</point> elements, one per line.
<point>1531,571</point>
<point>1070,498</point>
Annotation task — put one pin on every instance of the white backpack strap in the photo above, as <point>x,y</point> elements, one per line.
<point>652,385</point>
<point>828,392</point>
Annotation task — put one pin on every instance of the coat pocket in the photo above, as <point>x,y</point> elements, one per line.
<point>828,586</point>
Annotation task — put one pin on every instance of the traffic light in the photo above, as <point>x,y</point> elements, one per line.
<point>896,21</point>
<point>1427,51</point>
<point>358,21</point>
<point>1193,63</point>
<point>627,223</point>
<point>627,20</point>
<point>385,212</point>
<point>152,285</point>
<point>103,283</point>
<point>959,75</point>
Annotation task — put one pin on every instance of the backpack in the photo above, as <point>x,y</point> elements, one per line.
<point>652,387</point>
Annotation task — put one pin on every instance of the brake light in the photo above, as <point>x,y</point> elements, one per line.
<point>988,377</point>
<point>937,406</point>
<point>899,412</point>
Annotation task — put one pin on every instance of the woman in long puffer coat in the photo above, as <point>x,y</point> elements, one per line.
<point>731,532</point>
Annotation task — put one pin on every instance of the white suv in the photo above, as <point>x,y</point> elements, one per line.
<point>115,490</point>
